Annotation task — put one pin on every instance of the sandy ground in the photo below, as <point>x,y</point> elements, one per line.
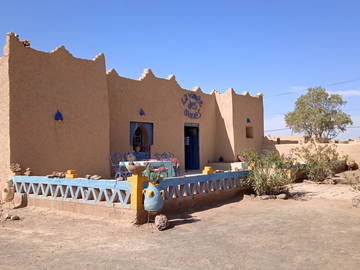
<point>319,230</point>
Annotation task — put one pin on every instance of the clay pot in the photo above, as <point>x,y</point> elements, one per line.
<point>8,192</point>
<point>136,169</point>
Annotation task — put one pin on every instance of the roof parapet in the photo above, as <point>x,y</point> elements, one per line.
<point>230,90</point>
<point>61,50</point>
<point>197,89</point>
<point>112,72</point>
<point>214,92</point>
<point>9,38</point>
<point>171,77</point>
<point>100,57</point>
<point>147,74</point>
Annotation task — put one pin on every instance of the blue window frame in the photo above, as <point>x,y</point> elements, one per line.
<point>148,127</point>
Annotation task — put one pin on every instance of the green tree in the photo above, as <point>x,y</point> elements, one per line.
<point>318,114</point>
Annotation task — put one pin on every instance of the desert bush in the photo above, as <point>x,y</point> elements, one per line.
<point>320,160</point>
<point>353,180</point>
<point>270,172</point>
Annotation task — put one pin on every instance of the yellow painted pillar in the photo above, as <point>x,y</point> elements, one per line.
<point>137,182</point>
<point>71,174</point>
<point>208,170</point>
<point>251,166</point>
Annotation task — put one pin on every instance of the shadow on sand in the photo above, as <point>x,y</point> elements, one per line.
<point>188,217</point>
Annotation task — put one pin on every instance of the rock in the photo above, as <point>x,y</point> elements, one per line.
<point>28,172</point>
<point>356,201</point>
<point>95,177</point>
<point>267,197</point>
<point>281,196</point>
<point>351,165</point>
<point>14,218</point>
<point>4,216</point>
<point>8,191</point>
<point>161,222</point>
<point>309,182</point>
<point>250,197</point>
<point>330,181</point>
<point>15,167</point>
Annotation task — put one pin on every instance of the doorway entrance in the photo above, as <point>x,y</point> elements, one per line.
<point>192,159</point>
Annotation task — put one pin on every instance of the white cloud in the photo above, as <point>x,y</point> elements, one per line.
<point>346,93</point>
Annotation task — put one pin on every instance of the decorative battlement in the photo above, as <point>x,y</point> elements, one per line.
<point>13,44</point>
<point>100,58</point>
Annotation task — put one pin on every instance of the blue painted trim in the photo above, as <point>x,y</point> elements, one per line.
<point>90,191</point>
<point>58,116</point>
<point>177,187</point>
<point>149,127</point>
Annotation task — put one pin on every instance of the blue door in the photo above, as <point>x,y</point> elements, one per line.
<point>192,161</point>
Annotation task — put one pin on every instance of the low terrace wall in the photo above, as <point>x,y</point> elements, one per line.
<point>124,199</point>
<point>187,193</point>
<point>105,198</point>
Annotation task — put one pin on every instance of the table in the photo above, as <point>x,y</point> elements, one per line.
<point>155,164</point>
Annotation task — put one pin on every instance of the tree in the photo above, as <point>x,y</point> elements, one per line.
<point>318,114</point>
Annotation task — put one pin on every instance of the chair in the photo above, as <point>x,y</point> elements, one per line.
<point>115,160</point>
<point>138,155</point>
<point>120,171</point>
<point>168,156</point>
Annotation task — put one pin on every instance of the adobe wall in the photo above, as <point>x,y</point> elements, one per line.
<point>161,101</point>
<point>4,120</point>
<point>284,139</point>
<point>248,107</point>
<point>98,108</point>
<point>224,126</point>
<point>42,83</point>
<point>192,203</point>
<point>352,150</point>
<point>98,209</point>
<point>233,112</point>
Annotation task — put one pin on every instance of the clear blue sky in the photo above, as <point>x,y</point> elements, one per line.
<point>273,47</point>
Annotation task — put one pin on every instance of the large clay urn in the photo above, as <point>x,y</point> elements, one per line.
<point>153,201</point>
<point>8,191</point>
<point>136,169</point>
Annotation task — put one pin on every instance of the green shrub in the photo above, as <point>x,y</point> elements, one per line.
<point>320,160</point>
<point>269,174</point>
<point>353,180</point>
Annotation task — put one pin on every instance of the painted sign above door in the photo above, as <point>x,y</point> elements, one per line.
<point>192,104</point>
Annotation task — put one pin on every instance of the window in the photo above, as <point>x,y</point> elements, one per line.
<point>249,132</point>
<point>141,136</point>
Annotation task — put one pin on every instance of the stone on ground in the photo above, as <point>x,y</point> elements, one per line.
<point>267,197</point>
<point>281,196</point>
<point>356,201</point>
<point>161,222</point>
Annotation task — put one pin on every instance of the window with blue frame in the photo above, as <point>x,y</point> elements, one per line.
<point>141,136</point>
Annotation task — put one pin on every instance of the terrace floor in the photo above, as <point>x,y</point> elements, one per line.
<point>313,232</point>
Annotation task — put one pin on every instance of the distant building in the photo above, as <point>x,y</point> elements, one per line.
<point>59,112</point>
